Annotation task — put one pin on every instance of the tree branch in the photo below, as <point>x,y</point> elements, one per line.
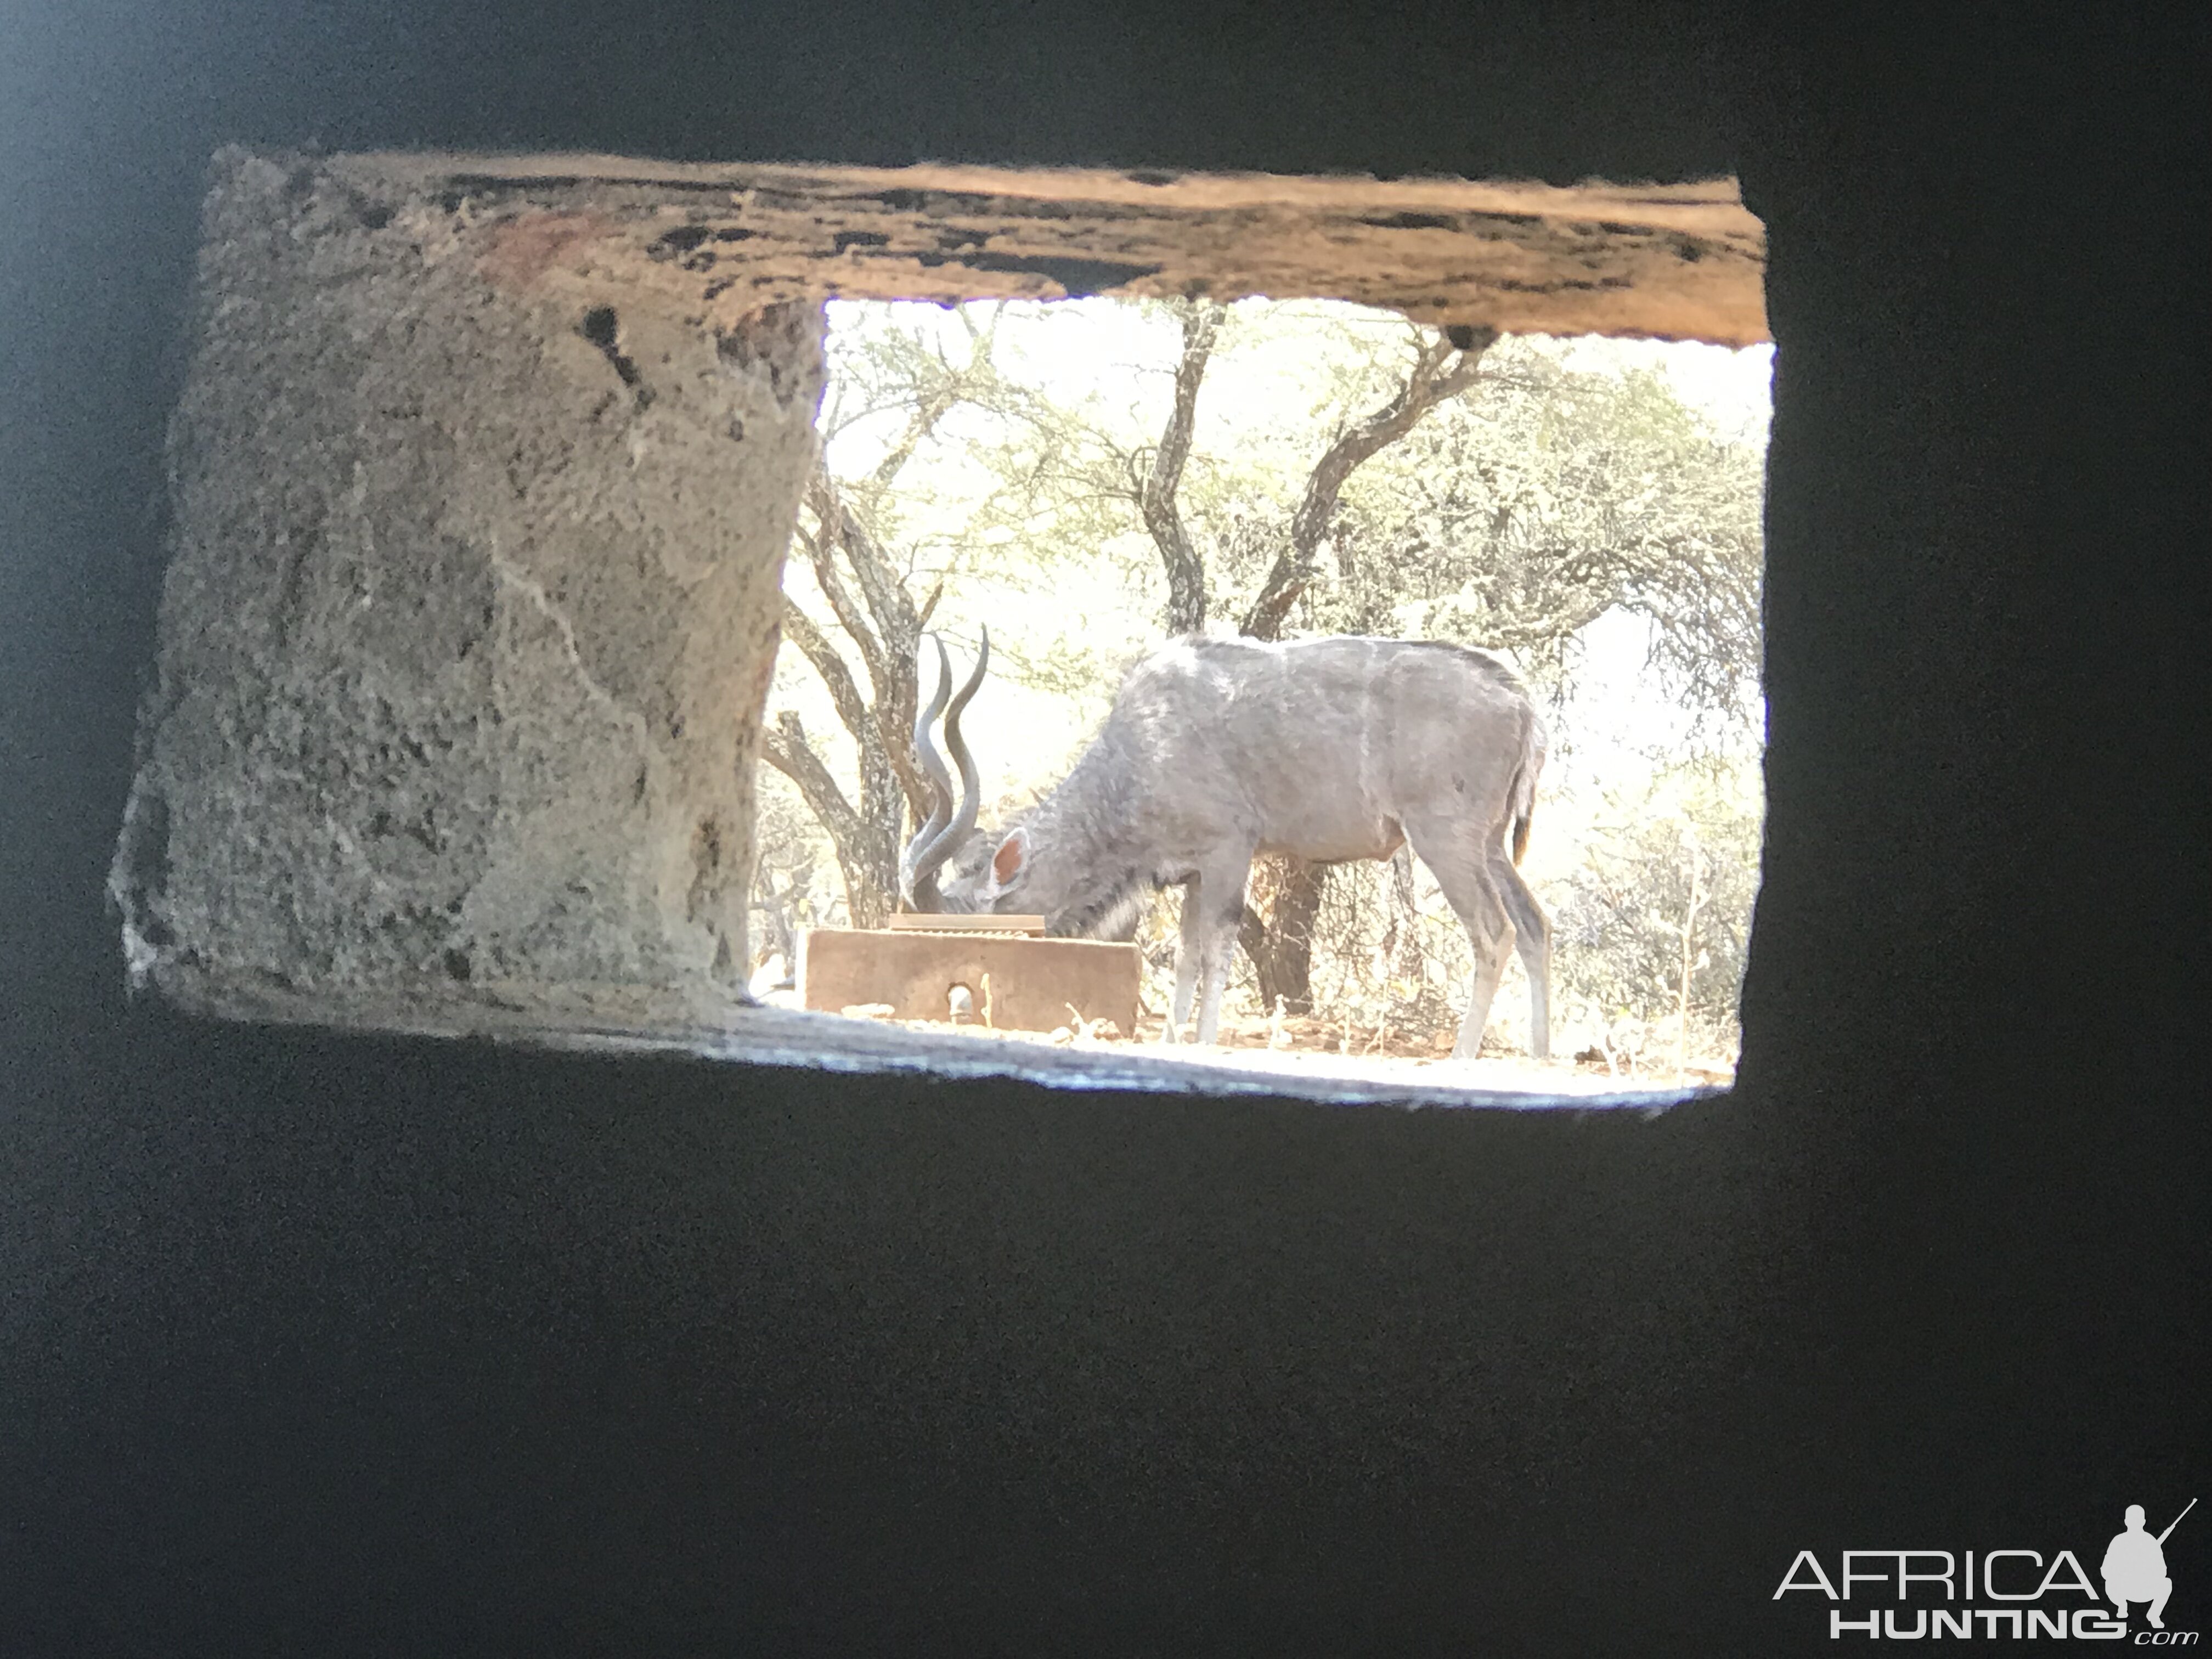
<point>799,628</point>
<point>891,658</point>
<point>786,747</point>
<point>1440,372</point>
<point>830,517</point>
<point>1154,484</point>
<point>934,405</point>
<point>952,387</point>
<point>893,611</point>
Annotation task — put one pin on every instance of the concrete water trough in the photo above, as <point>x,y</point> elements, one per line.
<point>998,971</point>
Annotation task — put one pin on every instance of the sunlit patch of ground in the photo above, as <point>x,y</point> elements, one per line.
<point>1310,1046</point>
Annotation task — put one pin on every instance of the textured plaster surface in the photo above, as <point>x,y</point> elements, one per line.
<point>470,616</point>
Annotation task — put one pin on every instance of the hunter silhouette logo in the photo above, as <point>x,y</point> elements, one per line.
<point>2000,1594</point>
<point>2135,1566</point>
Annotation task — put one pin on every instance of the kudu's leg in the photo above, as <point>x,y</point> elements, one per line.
<point>1461,868</point>
<point>1220,891</point>
<point>1532,935</point>
<point>1186,966</point>
<point>1212,905</point>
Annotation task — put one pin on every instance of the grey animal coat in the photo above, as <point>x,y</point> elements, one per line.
<point>1218,749</point>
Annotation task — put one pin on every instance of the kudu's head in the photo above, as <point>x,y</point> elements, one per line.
<point>951,823</point>
<point>1043,863</point>
<point>949,866</point>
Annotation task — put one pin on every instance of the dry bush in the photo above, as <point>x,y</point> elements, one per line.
<point>1680,848</point>
<point>795,882</point>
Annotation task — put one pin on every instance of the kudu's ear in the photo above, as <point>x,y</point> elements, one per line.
<point>1006,863</point>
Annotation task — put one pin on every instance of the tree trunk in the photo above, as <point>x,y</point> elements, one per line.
<point>1284,896</point>
<point>885,625</point>
<point>866,838</point>
<point>1276,932</point>
<point>1280,904</point>
<point>1157,477</point>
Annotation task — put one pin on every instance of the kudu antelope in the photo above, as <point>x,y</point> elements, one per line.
<point>1218,749</point>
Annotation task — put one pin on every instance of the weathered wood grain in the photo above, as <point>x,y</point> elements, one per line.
<point>720,242</point>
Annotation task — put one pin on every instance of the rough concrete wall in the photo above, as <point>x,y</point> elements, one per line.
<point>470,619</point>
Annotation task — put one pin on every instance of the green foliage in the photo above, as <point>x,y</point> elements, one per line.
<point>994,480</point>
<point>1520,512</point>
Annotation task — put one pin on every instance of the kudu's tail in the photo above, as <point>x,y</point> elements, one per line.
<point>1526,771</point>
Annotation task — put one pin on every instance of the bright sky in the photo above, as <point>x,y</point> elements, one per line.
<point>1123,356</point>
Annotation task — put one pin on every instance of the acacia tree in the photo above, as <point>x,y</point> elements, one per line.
<point>886,628</point>
<point>1284,893</point>
<point>1155,474</point>
<point>844,538</point>
<point>1514,521</point>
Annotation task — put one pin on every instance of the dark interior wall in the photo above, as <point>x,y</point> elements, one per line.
<point>310,1343</point>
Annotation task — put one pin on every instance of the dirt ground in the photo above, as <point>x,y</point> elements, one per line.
<point>1309,1046</point>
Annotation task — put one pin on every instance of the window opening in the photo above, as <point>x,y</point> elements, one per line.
<point>1587,510</point>
<point>489,700</point>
